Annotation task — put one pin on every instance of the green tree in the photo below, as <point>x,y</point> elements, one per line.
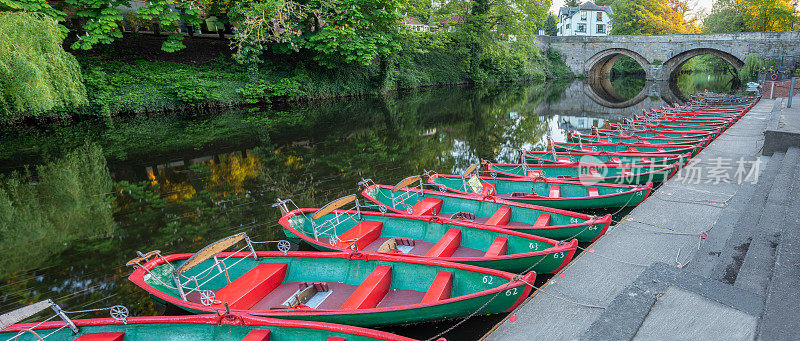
<point>550,27</point>
<point>726,16</point>
<point>572,3</point>
<point>650,17</point>
<point>36,74</point>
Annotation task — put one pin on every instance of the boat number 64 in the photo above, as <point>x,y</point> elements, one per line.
<point>512,291</point>
<point>488,279</point>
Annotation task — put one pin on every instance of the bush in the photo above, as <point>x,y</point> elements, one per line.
<point>752,66</point>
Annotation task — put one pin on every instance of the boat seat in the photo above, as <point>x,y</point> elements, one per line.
<point>440,289</point>
<point>248,289</point>
<point>112,336</point>
<point>614,159</point>
<point>336,338</point>
<point>500,217</point>
<point>499,247</point>
<point>603,140</point>
<point>371,291</point>
<point>644,141</point>
<point>684,135</point>
<point>645,159</point>
<point>627,172</point>
<point>257,335</point>
<point>593,192</point>
<point>363,234</point>
<point>586,149</point>
<point>633,150</point>
<point>555,191</point>
<point>488,189</point>
<point>543,220</point>
<point>534,173</point>
<point>446,245</point>
<point>660,135</point>
<point>427,206</point>
<point>564,159</point>
<point>593,171</point>
<point>661,150</point>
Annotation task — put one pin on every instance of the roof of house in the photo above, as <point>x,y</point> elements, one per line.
<point>586,6</point>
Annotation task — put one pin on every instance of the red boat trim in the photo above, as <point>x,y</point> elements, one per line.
<point>578,164</point>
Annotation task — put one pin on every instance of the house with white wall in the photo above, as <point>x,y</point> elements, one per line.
<point>587,19</point>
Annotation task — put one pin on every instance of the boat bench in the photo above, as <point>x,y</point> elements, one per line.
<point>371,291</point>
<point>440,289</point>
<point>499,247</point>
<point>363,234</point>
<point>257,335</point>
<point>248,289</point>
<point>500,217</point>
<point>542,220</point>
<point>593,192</point>
<point>427,206</point>
<point>446,245</point>
<point>555,191</point>
<point>112,336</point>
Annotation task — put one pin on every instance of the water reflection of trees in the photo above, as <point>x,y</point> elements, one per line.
<point>233,167</point>
<point>43,210</point>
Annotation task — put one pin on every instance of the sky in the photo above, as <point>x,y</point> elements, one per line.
<point>700,4</point>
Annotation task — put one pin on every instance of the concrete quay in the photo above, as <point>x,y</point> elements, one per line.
<point>702,258</point>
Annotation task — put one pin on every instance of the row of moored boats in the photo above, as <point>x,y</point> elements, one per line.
<point>431,247</point>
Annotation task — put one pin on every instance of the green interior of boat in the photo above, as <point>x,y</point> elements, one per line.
<point>574,172</point>
<point>186,331</point>
<point>486,212</point>
<point>512,187</point>
<point>566,158</point>
<point>417,237</point>
<point>320,282</point>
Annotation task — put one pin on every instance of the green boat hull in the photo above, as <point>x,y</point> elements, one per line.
<point>613,175</point>
<point>574,195</point>
<point>654,159</point>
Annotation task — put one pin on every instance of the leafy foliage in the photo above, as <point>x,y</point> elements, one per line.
<point>36,74</point>
<point>752,66</point>
<point>633,17</point>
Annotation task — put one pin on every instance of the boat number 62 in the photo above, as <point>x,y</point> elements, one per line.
<point>488,279</point>
<point>512,291</point>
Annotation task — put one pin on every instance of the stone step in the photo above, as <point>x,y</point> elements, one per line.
<point>782,308</point>
<point>731,255</point>
<point>756,270</point>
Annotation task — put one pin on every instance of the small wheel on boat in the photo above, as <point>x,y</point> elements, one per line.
<point>494,174</point>
<point>442,189</point>
<point>410,210</point>
<point>284,246</point>
<point>119,313</point>
<point>382,209</point>
<point>207,297</point>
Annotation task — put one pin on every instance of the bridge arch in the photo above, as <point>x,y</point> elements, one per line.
<point>599,65</point>
<point>672,66</point>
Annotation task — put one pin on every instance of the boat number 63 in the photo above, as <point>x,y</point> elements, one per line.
<point>559,255</point>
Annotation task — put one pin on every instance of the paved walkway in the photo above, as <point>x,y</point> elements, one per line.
<point>662,236</point>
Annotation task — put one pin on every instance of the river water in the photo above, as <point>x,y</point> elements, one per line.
<point>94,192</point>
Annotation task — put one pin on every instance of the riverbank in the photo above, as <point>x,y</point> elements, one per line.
<point>133,76</point>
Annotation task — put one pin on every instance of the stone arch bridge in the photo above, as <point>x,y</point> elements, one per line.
<point>661,56</point>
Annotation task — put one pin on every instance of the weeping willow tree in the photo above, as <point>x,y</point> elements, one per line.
<point>752,66</point>
<point>36,74</point>
<point>43,210</point>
